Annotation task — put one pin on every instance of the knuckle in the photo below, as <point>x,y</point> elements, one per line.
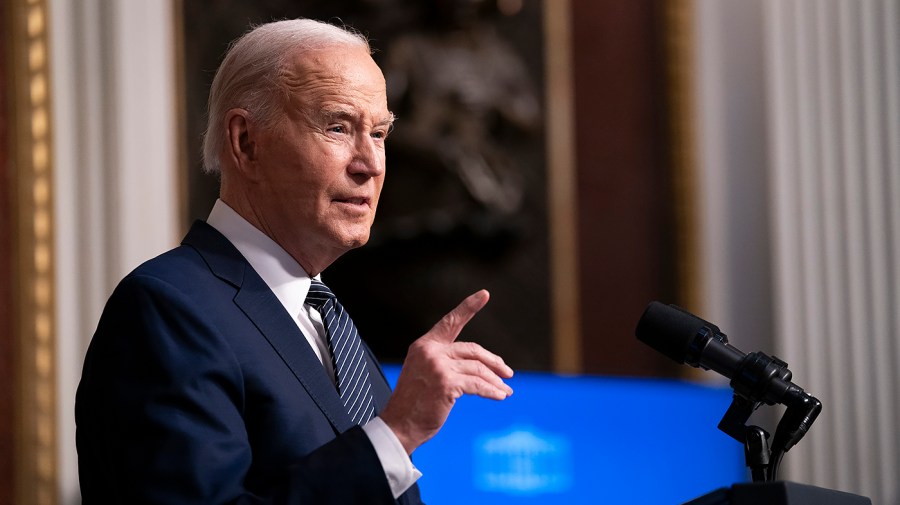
<point>414,347</point>
<point>432,359</point>
<point>471,347</point>
<point>446,384</point>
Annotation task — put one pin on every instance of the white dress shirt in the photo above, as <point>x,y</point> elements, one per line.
<point>290,284</point>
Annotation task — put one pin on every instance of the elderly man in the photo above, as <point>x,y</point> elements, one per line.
<point>225,371</point>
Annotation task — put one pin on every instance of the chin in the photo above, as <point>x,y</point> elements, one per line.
<point>350,235</point>
<point>356,244</point>
<point>356,240</point>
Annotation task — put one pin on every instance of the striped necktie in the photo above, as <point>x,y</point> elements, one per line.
<point>347,354</point>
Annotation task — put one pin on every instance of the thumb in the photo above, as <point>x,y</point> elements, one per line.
<point>448,328</point>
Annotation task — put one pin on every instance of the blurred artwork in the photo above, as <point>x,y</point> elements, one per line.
<point>465,103</point>
<point>464,204</point>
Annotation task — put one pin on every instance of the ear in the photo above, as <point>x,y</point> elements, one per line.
<point>242,147</point>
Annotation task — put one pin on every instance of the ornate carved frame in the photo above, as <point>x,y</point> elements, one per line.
<point>33,293</point>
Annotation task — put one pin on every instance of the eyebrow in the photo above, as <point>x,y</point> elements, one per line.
<point>338,112</point>
<point>388,121</point>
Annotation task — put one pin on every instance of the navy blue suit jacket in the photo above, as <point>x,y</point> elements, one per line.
<point>198,387</point>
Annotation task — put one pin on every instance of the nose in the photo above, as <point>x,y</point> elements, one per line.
<point>368,156</point>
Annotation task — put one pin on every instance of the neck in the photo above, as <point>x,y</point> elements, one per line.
<point>313,264</point>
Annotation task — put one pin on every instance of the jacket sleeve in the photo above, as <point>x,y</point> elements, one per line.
<point>159,415</point>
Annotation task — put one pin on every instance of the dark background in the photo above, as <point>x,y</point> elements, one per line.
<point>433,244</point>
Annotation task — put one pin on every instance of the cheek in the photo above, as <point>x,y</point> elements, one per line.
<point>379,184</point>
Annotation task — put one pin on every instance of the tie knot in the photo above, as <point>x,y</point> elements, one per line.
<point>318,294</point>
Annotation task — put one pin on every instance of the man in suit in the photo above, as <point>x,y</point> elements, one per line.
<point>224,371</point>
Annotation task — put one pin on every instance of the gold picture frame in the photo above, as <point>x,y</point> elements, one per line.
<point>33,289</point>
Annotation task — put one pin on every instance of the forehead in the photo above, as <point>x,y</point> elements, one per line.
<point>340,74</point>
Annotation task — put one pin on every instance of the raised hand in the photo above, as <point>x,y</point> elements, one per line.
<point>437,371</point>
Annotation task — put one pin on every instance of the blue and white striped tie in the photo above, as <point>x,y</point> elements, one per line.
<point>347,354</point>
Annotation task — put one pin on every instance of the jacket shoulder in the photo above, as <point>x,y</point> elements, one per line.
<point>203,252</point>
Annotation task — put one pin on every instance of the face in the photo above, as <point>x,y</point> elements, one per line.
<point>321,167</point>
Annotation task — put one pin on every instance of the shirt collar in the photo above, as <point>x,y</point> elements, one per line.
<point>281,272</point>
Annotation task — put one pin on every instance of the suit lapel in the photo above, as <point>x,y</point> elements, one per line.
<point>261,306</point>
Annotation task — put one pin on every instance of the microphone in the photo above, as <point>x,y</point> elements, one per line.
<point>756,378</point>
<point>690,340</point>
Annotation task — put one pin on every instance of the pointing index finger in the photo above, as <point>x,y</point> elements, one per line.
<point>448,328</point>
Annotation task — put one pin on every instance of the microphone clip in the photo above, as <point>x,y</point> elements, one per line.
<point>759,380</point>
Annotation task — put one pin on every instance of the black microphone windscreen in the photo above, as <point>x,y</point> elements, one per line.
<point>668,329</point>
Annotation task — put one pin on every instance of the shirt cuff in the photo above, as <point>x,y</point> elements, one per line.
<point>398,468</point>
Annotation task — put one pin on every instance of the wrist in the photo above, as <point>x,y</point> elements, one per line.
<point>401,430</point>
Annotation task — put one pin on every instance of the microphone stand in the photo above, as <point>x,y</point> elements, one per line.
<point>802,410</point>
<point>763,460</point>
<point>756,453</point>
<point>754,439</point>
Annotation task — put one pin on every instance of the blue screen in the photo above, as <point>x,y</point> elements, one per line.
<point>577,439</point>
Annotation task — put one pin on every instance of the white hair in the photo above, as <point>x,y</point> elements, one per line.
<point>250,75</point>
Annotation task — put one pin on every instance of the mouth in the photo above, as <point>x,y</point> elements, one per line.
<point>355,201</point>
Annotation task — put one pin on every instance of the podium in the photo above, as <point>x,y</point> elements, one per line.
<point>778,493</point>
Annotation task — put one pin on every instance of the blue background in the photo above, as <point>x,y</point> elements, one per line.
<point>610,440</point>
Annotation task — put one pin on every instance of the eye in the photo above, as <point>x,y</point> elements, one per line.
<point>382,133</point>
<point>337,128</point>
